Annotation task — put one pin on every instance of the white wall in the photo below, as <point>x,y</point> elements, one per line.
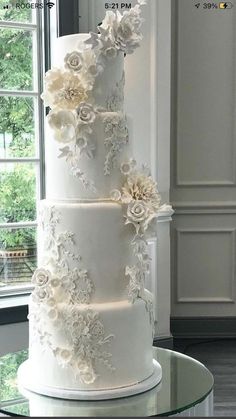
<point>203,186</point>
<point>13,337</point>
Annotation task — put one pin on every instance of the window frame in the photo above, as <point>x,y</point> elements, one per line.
<point>66,12</point>
<point>53,23</point>
<point>40,63</point>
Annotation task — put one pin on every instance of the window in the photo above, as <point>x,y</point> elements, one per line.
<point>21,143</point>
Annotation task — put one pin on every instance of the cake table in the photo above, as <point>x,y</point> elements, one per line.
<point>186,389</point>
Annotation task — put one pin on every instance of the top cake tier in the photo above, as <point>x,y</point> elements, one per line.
<point>87,138</point>
<point>107,90</point>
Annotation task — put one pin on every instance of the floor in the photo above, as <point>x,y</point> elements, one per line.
<point>220,357</point>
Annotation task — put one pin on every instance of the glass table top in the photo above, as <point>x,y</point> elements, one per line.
<point>185,383</point>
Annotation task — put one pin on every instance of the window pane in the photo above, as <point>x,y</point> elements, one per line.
<point>9,365</point>
<point>16,63</point>
<point>18,257</point>
<point>14,11</point>
<point>17,131</point>
<point>17,192</point>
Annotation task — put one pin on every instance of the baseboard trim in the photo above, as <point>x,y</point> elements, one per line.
<point>9,315</point>
<point>203,327</point>
<point>164,342</point>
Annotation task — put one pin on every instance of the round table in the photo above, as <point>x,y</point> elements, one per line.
<point>186,389</point>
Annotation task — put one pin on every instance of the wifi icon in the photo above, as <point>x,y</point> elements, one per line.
<point>50,4</point>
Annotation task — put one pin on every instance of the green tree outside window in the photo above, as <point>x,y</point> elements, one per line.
<point>17,182</point>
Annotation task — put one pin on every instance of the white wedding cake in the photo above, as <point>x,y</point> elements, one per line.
<point>90,317</point>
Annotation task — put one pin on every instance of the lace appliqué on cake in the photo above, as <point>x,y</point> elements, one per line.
<point>56,283</point>
<point>58,246</point>
<point>38,332</point>
<point>86,336</point>
<point>115,101</point>
<point>138,275</point>
<point>141,202</point>
<point>72,154</point>
<point>116,138</point>
<point>73,130</point>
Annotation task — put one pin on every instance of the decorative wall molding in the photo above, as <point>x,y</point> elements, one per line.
<point>165,214</point>
<point>196,300</point>
<point>205,300</point>
<point>11,315</point>
<point>154,51</point>
<point>151,284</point>
<point>203,162</point>
<point>180,182</point>
<point>204,207</point>
<point>194,184</point>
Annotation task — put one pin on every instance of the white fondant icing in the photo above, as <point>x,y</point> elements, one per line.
<point>102,241</point>
<point>129,323</point>
<point>60,182</point>
<point>114,399</point>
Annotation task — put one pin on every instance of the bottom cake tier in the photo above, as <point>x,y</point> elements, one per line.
<point>90,348</point>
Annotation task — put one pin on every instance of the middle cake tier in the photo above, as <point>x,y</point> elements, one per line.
<point>85,247</point>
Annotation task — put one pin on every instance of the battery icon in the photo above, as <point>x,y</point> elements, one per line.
<point>225,5</point>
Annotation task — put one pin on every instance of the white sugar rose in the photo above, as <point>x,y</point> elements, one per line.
<point>51,302</point>
<point>63,124</point>
<point>115,195</point>
<point>88,377</point>
<point>41,277</point>
<point>74,61</point>
<point>82,365</point>
<point>110,52</point>
<point>55,282</point>
<point>42,294</point>
<point>93,70</point>
<point>53,314</point>
<point>128,35</point>
<point>108,49</point>
<point>127,167</point>
<point>63,356</point>
<point>137,212</point>
<point>81,143</point>
<point>86,113</point>
<point>140,215</point>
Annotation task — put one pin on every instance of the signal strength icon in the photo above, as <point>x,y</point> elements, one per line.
<point>197,5</point>
<point>50,4</point>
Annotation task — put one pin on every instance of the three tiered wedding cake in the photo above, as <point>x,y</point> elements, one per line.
<point>91,319</point>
